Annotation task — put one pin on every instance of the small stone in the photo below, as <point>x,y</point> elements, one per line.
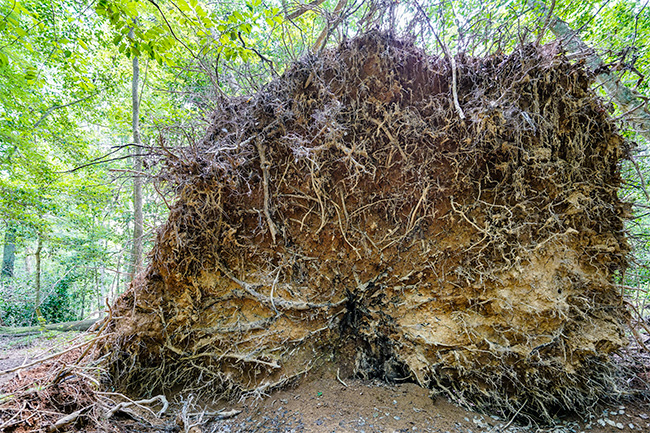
<point>466,419</point>
<point>601,422</point>
<point>610,422</point>
<point>631,426</point>
<point>396,418</point>
<point>621,412</point>
<point>643,415</point>
<point>620,426</point>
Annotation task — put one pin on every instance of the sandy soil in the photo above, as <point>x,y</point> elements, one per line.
<point>323,402</point>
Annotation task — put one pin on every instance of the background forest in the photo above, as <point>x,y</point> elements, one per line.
<point>92,92</point>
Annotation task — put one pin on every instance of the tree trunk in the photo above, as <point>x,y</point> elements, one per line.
<point>81,325</point>
<point>83,304</point>
<point>9,254</point>
<point>37,277</point>
<point>115,286</point>
<point>136,264</point>
<point>27,262</point>
<point>98,292</point>
<point>629,102</point>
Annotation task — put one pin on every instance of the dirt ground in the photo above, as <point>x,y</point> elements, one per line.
<point>324,402</point>
<point>21,350</point>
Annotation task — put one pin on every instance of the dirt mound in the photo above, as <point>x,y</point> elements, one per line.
<point>348,213</point>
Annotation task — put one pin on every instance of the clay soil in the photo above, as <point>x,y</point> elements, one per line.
<point>323,402</point>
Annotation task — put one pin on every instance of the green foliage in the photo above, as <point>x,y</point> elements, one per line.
<point>16,304</point>
<point>59,305</point>
<point>65,101</point>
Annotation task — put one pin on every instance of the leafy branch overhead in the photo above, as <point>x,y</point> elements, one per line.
<point>158,30</point>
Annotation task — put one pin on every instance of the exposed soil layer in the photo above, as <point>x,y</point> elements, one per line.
<point>350,214</point>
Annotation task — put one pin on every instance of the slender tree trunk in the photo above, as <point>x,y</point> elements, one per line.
<point>83,305</point>
<point>629,102</point>
<point>37,277</point>
<point>9,254</point>
<point>98,291</point>
<point>136,264</point>
<point>28,263</point>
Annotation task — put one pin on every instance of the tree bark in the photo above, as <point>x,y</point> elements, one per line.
<point>629,102</point>
<point>37,277</point>
<point>27,262</point>
<point>9,253</point>
<point>83,304</point>
<point>82,325</point>
<point>136,264</point>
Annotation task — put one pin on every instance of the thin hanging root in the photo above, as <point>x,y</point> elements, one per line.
<point>338,377</point>
<point>393,141</point>
<point>264,164</point>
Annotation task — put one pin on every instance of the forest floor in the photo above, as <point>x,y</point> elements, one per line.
<point>324,403</point>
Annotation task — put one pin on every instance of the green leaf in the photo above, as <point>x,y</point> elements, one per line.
<point>207,22</point>
<point>4,60</point>
<point>182,5</point>
<point>30,73</point>
<point>20,32</point>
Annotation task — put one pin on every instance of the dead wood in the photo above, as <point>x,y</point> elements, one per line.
<point>347,214</point>
<point>21,331</point>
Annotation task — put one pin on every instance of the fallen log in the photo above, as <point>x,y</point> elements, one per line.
<point>22,331</point>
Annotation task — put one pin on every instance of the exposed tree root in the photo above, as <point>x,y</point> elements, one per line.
<point>450,220</point>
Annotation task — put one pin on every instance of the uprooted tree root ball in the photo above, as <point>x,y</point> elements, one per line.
<point>348,213</point>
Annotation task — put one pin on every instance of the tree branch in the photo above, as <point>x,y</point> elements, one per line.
<point>57,107</point>
<point>322,38</point>
<point>452,62</point>
<point>626,99</point>
<point>304,8</point>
